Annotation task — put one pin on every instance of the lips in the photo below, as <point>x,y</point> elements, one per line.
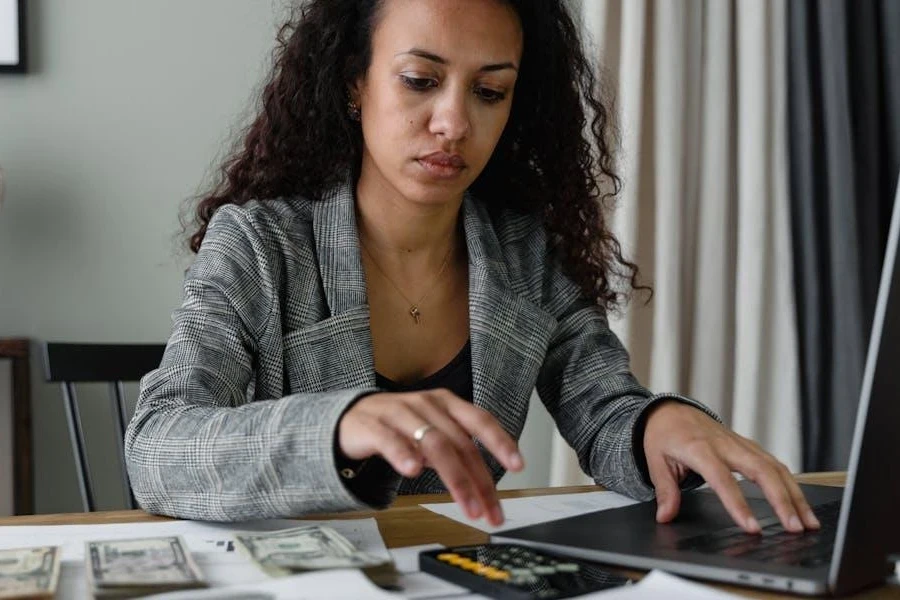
<point>443,159</point>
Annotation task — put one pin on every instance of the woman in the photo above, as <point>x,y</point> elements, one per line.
<point>408,242</point>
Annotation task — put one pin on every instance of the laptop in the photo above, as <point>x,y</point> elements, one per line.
<point>860,523</point>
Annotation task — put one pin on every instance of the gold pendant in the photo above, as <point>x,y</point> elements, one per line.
<point>414,312</point>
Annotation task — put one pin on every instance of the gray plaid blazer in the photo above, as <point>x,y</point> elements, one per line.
<point>272,344</point>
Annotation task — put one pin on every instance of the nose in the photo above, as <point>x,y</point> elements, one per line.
<point>450,117</point>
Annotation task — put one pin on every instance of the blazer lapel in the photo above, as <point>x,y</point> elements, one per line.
<point>345,335</point>
<point>509,334</point>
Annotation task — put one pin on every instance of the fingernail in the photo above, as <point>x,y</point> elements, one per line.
<point>752,524</point>
<point>795,523</point>
<point>410,465</point>
<point>515,461</point>
<point>474,508</point>
<point>497,515</point>
<point>811,517</point>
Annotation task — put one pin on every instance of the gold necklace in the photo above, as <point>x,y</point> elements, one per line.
<point>414,311</point>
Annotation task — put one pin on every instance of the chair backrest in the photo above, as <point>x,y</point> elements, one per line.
<point>68,364</point>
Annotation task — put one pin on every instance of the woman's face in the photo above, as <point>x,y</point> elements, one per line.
<point>437,94</point>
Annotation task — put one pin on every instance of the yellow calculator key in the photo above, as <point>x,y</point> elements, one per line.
<point>498,575</point>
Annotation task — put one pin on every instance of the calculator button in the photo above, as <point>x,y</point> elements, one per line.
<point>497,575</point>
<point>447,555</point>
<point>544,570</point>
<point>567,568</point>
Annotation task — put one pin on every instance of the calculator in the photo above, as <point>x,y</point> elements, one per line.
<point>513,572</point>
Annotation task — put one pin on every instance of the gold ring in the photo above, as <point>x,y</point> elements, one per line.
<point>420,433</point>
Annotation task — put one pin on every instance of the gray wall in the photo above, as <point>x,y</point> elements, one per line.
<point>127,107</point>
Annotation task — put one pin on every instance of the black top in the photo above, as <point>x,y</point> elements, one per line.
<point>456,376</point>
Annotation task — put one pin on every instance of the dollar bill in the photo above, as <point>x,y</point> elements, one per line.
<point>29,572</point>
<point>126,568</point>
<point>303,549</point>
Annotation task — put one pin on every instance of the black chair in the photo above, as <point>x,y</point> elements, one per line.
<point>68,364</point>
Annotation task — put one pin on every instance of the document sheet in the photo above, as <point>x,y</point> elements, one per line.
<point>520,512</point>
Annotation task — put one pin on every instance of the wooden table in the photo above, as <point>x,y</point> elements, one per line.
<point>408,524</point>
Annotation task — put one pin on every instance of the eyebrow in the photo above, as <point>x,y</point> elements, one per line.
<point>435,58</point>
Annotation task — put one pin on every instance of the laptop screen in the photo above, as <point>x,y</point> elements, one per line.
<point>868,529</point>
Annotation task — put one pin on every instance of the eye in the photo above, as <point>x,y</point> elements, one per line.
<point>419,84</point>
<point>488,95</point>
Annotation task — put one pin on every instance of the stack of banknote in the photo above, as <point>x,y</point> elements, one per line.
<point>138,567</point>
<point>311,547</point>
<point>29,572</point>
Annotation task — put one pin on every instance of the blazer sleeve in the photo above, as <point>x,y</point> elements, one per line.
<point>598,405</point>
<point>197,446</point>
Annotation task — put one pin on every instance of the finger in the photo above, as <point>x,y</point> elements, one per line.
<point>465,447</point>
<point>668,492</point>
<point>760,468</point>
<point>461,476</point>
<point>718,475</point>
<point>800,504</point>
<point>396,449</point>
<point>483,425</point>
<point>440,452</point>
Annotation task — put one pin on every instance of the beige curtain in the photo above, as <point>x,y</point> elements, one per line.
<point>700,91</point>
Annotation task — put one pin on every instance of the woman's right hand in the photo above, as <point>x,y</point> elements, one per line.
<point>385,424</point>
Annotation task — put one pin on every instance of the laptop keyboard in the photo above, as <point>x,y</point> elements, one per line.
<point>774,544</point>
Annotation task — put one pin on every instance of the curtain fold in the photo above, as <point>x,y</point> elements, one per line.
<point>704,211</point>
<point>844,90</point>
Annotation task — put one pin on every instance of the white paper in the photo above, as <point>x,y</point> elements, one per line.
<point>418,585</point>
<point>211,545</point>
<point>406,560</point>
<point>662,585</point>
<point>520,512</point>
<point>331,584</point>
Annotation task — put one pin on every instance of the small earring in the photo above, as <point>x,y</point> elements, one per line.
<point>353,110</point>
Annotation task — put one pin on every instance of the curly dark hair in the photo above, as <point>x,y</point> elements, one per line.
<point>303,141</point>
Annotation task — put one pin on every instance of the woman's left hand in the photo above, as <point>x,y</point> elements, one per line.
<point>679,438</point>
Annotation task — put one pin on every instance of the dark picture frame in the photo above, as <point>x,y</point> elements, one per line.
<point>12,35</point>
